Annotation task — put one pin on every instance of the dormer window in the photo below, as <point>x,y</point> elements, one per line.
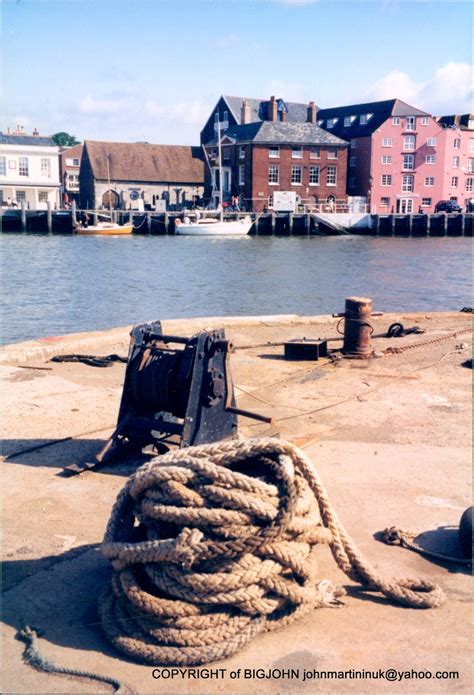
<point>274,152</point>
<point>349,120</point>
<point>332,122</point>
<point>365,118</point>
<point>320,122</point>
<point>297,153</point>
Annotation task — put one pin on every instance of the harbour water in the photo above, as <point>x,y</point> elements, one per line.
<point>63,284</point>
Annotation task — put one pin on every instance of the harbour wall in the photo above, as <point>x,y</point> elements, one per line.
<point>265,224</point>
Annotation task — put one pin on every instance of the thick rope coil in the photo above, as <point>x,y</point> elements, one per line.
<point>211,545</point>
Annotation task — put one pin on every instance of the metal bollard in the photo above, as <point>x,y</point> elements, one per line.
<point>357,328</point>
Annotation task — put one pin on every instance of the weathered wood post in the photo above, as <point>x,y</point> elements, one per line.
<point>428,225</point>
<point>73,214</point>
<point>148,222</point>
<point>49,216</point>
<point>23,215</point>
<point>306,224</point>
<point>290,223</point>
<point>410,225</point>
<point>273,221</point>
<point>167,223</point>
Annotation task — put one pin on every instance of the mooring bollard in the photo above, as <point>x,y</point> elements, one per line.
<point>357,328</point>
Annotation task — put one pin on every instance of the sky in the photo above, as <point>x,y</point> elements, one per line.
<point>152,70</point>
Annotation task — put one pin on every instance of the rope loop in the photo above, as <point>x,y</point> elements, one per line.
<point>211,545</point>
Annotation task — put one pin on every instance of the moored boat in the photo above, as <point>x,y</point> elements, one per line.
<point>214,227</point>
<point>106,228</point>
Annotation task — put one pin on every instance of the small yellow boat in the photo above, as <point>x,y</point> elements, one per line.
<point>106,228</point>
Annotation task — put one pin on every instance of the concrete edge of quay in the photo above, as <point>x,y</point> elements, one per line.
<point>47,347</point>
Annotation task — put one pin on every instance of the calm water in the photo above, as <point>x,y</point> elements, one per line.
<point>62,284</point>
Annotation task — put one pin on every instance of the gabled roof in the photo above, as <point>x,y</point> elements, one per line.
<point>259,109</point>
<point>126,161</point>
<point>461,122</point>
<point>281,133</point>
<point>380,110</point>
<point>43,141</point>
<point>74,151</point>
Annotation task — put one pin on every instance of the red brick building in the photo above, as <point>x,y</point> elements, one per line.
<point>269,146</point>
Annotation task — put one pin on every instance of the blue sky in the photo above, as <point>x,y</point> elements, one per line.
<point>152,70</point>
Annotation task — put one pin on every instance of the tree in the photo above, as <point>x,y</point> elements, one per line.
<point>63,139</point>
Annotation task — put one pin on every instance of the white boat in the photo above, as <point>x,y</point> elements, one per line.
<point>211,226</point>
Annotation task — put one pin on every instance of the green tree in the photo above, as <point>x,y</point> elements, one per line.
<point>63,139</point>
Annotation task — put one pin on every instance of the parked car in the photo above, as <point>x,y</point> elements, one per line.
<point>448,206</point>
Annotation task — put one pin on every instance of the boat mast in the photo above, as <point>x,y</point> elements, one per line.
<point>219,150</point>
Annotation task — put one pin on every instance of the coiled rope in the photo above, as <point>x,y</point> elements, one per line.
<point>211,545</point>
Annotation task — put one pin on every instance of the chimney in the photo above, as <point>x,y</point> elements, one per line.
<point>244,112</point>
<point>36,132</point>
<point>272,110</point>
<point>312,112</point>
<point>283,115</point>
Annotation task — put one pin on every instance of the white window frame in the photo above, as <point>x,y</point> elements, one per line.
<point>296,175</point>
<point>332,152</point>
<point>454,181</point>
<point>426,202</point>
<point>42,196</point>
<point>457,143</point>
<point>469,184</point>
<point>386,159</point>
<point>384,202</point>
<point>386,180</point>
<point>315,152</point>
<point>425,120</point>
<point>273,174</point>
<point>348,121</point>
<point>45,165</point>
<point>396,120</point>
<point>241,174</point>
<point>470,165</point>
<point>430,159</point>
<point>274,152</point>
<point>241,151</point>
<point>364,118</point>
<point>470,146</point>
<point>23,166</point>
<point>297,153</point>
<point>431,142</point>
<point>409,143</point>
<point>3,166</point>
<point>429,181</point>
<point>387,142</point>
<point>408,162</point>
<point>314,173</point>
<point>331,176</point>
<point>410,123</point>
<point>20,195</point>
<point>455,162</point>
<point>408,184</point>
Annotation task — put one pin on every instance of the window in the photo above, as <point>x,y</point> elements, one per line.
<point>384,202</point>
<point>395,121</point>
<point>455,162</point>
<point>387,142</point>
<point>430,159</point>
<point>409,142</point>
<point>241,152</point>
<point>429,181</point>
<point>431,142</point>
<point>23,166</point>
<point>408,162</point>
<point>457,143</point>
<point>386,180</point>
<point>365,118</point>
<point>470,147</point>
<point>320,122</point>
<point>469,185</point>
<point>411,123</point>
<point>226,154</point>
<point>332,152</point>
<point>425,121</point>
<point>297,153</point>
<point>426,202</point>
<point>75,162</point>
<point>46,167</point>
<point>470,165</point>
<point>349,120</point>
<point>331,178</point>
<point>353,144</point>
<point>42,196</point>
<point>226,116</point>
<point>3,166</point>
<point>454,182</point>
<point>270,201</point>
<point>407,184</point>
<point>386,159</point>
<point>352,182</point>
<point>241,174</point>
<point>332,122</point>
<point>274,152</point>
<point>314,152</point>
<point>353,161</point>
<point>273,174</point>
<point>313,175</point>
<point>21,196</point>
<point>296,174</point>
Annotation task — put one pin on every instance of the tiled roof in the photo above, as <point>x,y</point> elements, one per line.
<point>74,151</point>
<point>259,109</point>
<point>380,110</point>
<point>43,141</point>
<point>461,122</point>
<point>144,162</point>
<point>281,133</point>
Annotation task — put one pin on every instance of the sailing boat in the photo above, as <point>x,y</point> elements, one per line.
<point>211,226</point>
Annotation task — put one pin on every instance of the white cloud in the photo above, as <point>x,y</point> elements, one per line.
<point>103,106</point>
<point>450,90</point>
<point>227,41</point>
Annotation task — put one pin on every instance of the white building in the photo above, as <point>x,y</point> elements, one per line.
<point>29,170</point>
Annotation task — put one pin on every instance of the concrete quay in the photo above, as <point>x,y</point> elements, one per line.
<point>390,437</point>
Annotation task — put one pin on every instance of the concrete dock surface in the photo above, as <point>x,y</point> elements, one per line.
<point>390,436</point>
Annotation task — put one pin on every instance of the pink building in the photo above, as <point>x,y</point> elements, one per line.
<point>402,159</point>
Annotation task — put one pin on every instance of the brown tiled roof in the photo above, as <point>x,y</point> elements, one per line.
<point>74,151</point>
<point>122,161</point>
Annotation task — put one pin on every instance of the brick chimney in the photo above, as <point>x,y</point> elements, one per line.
<point>272,110</point>
<point>312,112</point>
<point>283,115</point>
<point>245,112</point>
